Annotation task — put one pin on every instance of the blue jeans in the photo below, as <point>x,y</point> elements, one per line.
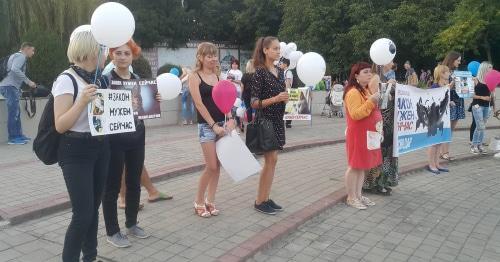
<point>12,95</point>
<point>187,106</point>
<point>481,115</point>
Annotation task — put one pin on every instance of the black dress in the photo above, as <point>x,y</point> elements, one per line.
<point>265,85</point>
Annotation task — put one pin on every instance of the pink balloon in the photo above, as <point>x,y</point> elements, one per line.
<point>224,95</point>
<point>492,79</point>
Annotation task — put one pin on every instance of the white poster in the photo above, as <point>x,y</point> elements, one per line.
<point>299,104</point>
<point>111,112</point>
<point>235,157</point>
<point>421,118</point>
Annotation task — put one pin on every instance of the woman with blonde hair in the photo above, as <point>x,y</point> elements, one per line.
<point>211,126</point>
<point>83,158</point>
<point>441,79</point>
<point>480,109</point>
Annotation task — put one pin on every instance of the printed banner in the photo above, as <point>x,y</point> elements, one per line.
<point>111,112</point>
<point>421,118</point>
<point>299,104</point>
<point>464,85</point>
<point>144,101</point>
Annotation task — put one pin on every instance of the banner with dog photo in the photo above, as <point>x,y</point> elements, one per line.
<point>144,92</point>
<point>299,104</point>
<point>421,118</point>
<point>111,112</point>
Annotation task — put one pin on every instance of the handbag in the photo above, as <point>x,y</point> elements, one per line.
<point>260,134</point>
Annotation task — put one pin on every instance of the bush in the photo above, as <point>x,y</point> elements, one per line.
<point>142,68</point>
<point>166,68</point>
<point>50,56</point>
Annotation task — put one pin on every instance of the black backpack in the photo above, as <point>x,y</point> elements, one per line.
<point>3,67</point>
<point>46,142</point>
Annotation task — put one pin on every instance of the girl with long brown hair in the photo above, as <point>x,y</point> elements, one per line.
<point>269,94</point>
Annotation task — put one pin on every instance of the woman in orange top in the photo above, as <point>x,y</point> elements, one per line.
<point>364,131</point>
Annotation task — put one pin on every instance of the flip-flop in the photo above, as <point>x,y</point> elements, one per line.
<point>443,169</point>
<point>161,197</point>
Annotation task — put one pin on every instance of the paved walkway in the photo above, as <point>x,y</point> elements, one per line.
<point>29,186</point>
<point>450,217</point>
<point>303,177</point>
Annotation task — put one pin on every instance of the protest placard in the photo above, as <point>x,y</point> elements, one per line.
<point>464,85</point>
<point>144,101</point>
<point>299,104</point>
<point>421,118</point>
<point>111,112</point>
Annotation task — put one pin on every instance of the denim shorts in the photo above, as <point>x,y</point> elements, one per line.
<point>207,134</point>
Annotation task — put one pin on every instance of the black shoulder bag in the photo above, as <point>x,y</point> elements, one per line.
<point>260,135</point>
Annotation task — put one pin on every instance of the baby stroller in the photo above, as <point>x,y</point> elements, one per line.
<point>334,102</point>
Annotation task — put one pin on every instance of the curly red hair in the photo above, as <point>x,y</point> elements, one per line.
<point>134,47</point>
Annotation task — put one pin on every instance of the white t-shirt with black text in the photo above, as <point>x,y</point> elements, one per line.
<point>235,75</point>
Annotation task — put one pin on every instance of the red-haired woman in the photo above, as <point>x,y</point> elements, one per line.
<point>363,133</point>
<point>127,150</point>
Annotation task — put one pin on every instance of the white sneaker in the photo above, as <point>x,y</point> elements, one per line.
<point>356,204</point>
<point>367,202</point>
<point>474,150</point>
<point>497,155</point>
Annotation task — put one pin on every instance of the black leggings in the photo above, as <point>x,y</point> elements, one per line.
<point>133,159</point>
<point>472,128</point>
<point>84,163</point>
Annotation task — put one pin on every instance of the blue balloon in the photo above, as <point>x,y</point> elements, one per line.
<point>174,71</point>
<point>473,67</point>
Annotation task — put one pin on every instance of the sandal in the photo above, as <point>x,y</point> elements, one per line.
<point>161,197</point>
<point>201,210</point>
<point>211,208</point>
<point>446,156</point>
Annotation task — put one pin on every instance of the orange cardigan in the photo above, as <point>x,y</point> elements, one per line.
<point>358,105</point>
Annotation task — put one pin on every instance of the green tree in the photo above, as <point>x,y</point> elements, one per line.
<point>257,18</point>
<point>50,56</point>
<point>474,26</point>
<point>160,22</point>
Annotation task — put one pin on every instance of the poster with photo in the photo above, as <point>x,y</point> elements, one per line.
<point>464,85</point>
<point>111,112</point>
<point>421,118</point>
<point>143,91</point>
<point>299,104</point>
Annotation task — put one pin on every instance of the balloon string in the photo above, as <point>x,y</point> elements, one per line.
<point>97,66</point>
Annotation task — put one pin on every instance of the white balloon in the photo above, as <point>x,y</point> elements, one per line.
<point>295,56</point>
<point>237,102</point>
<point>311,68</point>
<point>240,112</point>
<point>112,24</point>
<point>382,51</point>
<point>282,48</point>
<point>169,86</point>
<point>82,28</point>
<point>292,46</point>
<point>293,65</point>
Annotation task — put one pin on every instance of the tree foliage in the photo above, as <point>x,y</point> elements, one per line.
<point>473,26</point>
<point>342,30</point>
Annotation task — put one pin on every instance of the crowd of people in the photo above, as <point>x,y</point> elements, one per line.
<point>110,169</point>
<point>371,165</point>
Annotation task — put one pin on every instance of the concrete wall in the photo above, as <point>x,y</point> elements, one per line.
<point>170,115</point>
